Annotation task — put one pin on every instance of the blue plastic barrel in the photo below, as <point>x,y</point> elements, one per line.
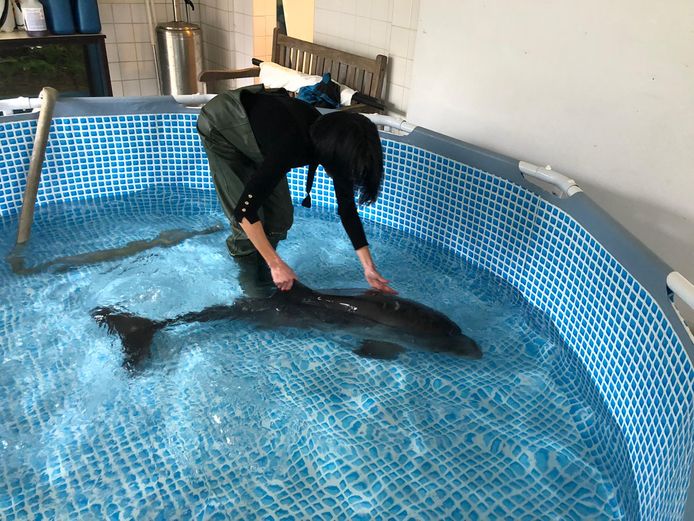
<point>59,16</point>
<point>86,16</point>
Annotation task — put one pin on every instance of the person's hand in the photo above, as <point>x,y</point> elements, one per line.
<point>377,282</point>
<point>283,276</point>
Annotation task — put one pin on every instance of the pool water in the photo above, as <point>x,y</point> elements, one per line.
<point>227,421</point>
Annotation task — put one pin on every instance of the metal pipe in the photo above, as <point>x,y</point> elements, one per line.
<point>176,10</point>
<point>566,186</point>
<point>48,97</point>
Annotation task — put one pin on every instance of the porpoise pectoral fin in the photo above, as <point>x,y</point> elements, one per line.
<point>378,349</point>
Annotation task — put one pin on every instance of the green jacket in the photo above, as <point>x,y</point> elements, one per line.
<point>226,114</point>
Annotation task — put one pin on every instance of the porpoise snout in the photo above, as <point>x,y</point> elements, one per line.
<point>459,345</point>
<point>466,346</point>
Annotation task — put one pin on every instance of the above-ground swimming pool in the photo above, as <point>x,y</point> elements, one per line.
<point>581,408</point>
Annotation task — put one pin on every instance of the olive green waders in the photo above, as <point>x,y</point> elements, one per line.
<point>234,156</point>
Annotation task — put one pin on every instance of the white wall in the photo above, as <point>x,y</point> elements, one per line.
<point>602,91</point>
<point>369,28</point>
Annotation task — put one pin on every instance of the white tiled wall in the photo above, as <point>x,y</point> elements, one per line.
<point>130,53</point>
<point>229,43</point>
<point>128,44</point>
<point>264,21</point>
<point>371,27</point>
<point>243,33</point>
<point>227,34</point>
<point>234,31</point>
<point>130,57</point>
<point>217,23</point>
<point>246,35</point>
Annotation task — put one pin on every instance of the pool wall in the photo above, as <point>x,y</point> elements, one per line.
<point>602,289</point>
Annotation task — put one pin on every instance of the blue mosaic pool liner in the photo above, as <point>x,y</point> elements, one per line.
<point>630,352</point>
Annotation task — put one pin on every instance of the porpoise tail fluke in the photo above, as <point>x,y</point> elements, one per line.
<point>135,332</point>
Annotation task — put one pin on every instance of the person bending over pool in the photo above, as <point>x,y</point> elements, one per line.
<point>253,137</point>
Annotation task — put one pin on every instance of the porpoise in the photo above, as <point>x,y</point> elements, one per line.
<point>382,322</point>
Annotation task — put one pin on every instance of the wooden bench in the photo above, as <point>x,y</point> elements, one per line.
<point>365,75</point>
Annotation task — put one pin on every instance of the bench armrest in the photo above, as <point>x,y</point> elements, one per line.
<point>229,74</point>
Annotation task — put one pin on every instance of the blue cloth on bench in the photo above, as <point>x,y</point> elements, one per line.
<point>324,94</point>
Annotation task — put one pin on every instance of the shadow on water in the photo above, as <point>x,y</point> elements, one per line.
<point>17,259</point>
<point>80,232</point>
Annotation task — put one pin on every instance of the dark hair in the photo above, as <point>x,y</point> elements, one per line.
<point>347,145</point>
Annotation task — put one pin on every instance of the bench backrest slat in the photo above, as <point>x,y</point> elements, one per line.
<point>362,74</point>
